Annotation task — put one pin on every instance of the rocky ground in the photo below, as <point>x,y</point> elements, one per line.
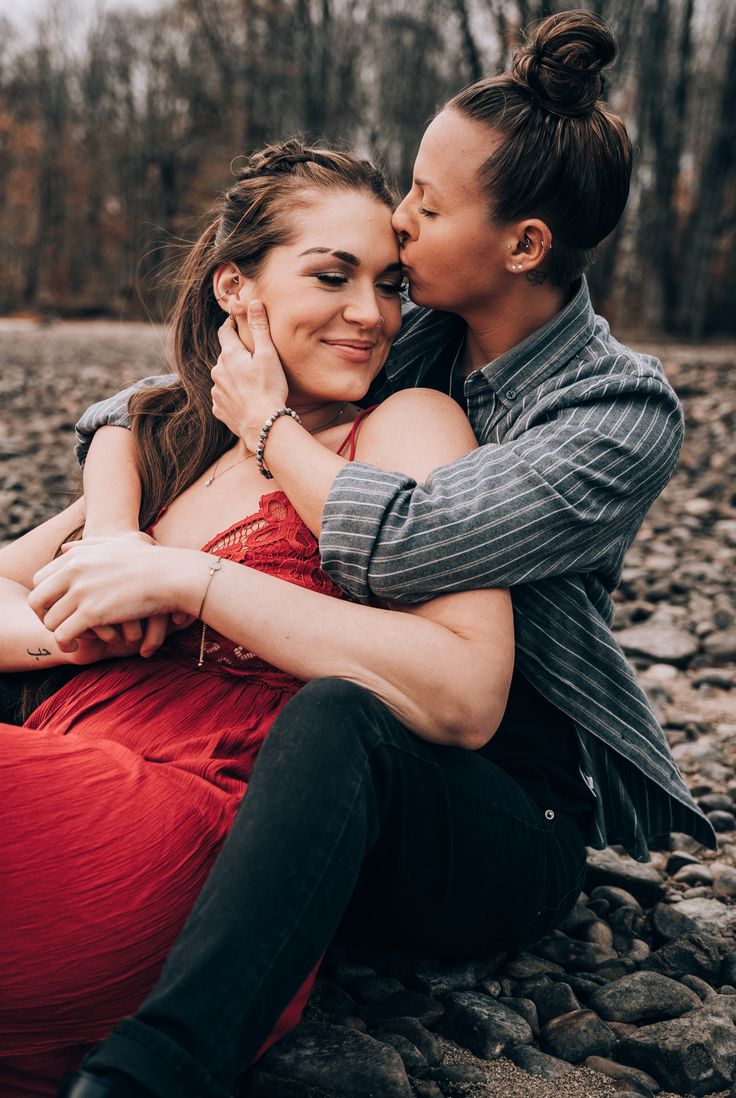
<point>636,993</point>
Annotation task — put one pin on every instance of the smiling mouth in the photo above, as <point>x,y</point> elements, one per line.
<point>355,344</point>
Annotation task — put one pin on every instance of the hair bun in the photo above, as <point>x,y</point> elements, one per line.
<point>562,64</point>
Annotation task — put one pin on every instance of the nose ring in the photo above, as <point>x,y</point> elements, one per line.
<point>380,322</point>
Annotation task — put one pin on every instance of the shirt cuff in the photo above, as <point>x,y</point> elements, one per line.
<point>111,412</point>
<point>352,521</point>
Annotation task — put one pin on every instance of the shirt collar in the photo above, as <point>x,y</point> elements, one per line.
<point>525,365</point>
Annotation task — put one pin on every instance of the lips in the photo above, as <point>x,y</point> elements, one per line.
<point>352,350</point>
<point>356,344</point>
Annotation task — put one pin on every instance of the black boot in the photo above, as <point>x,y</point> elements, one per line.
<point>83,1084</point>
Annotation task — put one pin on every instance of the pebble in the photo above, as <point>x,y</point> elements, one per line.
<point>315,1056</point>
<point>577,1035</point>
<point>692,1055</point>
<point>482,1025</point>
<point>643,997</point>
<point>539,1063</point>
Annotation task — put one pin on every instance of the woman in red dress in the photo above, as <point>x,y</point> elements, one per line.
<point>120,788</point>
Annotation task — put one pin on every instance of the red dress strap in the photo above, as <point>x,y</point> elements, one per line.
<point>352,437</point>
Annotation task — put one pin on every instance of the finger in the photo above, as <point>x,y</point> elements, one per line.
<point>108,634</point>
<point>258,324</point>
<point>132,631</point>
<point>182,619</point>
<point>44,594</point>
<point>154,635</point>
<point>228,336</point>
<point>62,609</point>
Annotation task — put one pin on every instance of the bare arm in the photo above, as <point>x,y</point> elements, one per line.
<point>25,643</point>
<point>112,489</point>
<point>443,668</point>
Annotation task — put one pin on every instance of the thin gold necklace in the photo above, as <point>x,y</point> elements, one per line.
<point>313,431</point>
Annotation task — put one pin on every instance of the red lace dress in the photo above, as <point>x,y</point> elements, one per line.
<point>117,796</point>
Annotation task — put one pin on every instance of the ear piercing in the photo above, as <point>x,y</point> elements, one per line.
<point>516,266</point>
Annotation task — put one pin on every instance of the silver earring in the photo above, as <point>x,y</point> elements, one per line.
<point>380,322</point>
<point>516,266</point>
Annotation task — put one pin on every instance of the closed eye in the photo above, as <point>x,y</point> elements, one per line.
<point>332,278</point>
<point>425,212</point>
<point>390,289</point>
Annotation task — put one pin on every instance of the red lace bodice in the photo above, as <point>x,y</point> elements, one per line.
<point>275,540</point>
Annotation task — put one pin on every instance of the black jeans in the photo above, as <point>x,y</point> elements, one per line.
<point>349,818</point>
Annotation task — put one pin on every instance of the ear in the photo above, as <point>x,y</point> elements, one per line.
<point>528,246</point>
<point>232,289</point>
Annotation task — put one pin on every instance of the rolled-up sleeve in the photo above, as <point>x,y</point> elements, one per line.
<point>112,412</point>
<point>566,495</point>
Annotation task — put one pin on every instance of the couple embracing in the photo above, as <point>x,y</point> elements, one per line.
<point>357,675</point>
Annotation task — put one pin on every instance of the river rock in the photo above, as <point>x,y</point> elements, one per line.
<point>482,1025</point>
<point>606,867</point>
<point>643,997</point>
<point>658,641</point>
<point>692,1055</point>
<point>576,1036</point>
<point>622,1072</point>
<point>539,1063</point>
<point>696,955</point>
<point>331,1060</point>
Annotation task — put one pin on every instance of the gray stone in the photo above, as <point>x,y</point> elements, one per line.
<point>696,955</point>
<point>574,956</point>
<point>415,1032</point>
<point>521,966</point>
<point>692,1055</point>
<point>538,1063</point>
<point>722,821</point>
<point>579,918</point>
<point>721,645</point>
<point>702,989</point>
<point>670,923</point>
<point>625,1072</point>
<point>711,916</point>
<point>576,1036</point>
<point>330,1060</point>
<point>371,989</point>
<point>680,858</point>
<point>411,1057</point>
<point>525,1008</point>
<point>606,867</point>
<point>456,1078</point>
<point>643,997</point>
<point>558,998</point>
<point>616,897</point>
<point>463,976</point>
<point>426,1088</point>
<point>658,641</point>
<point>694,874</point>
<point>403,1004</point>
<point>482,1025</point>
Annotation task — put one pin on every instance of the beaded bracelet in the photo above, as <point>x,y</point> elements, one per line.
<point>264,435</point>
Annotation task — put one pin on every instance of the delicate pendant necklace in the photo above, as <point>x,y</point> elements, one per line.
<point>314,430</point>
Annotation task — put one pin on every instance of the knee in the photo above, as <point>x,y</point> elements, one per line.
<point>333,712</point>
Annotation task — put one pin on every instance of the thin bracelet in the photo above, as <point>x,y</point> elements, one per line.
<point>262,469</point>
<point>214,567</point>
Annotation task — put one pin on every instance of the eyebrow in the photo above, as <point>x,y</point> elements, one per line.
<point>347,257</point>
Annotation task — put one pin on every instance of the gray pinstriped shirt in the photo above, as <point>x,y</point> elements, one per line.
<point>578,435</point>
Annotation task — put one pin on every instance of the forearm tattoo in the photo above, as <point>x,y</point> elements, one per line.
<point>38,653</point>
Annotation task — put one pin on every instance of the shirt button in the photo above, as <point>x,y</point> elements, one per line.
<point>549,814</point>
<point>510,394</point>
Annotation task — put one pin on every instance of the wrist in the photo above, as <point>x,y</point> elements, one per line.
<point>187,575</point>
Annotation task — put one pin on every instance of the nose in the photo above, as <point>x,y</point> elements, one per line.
<point>402,221</point>
<point>364,309</point>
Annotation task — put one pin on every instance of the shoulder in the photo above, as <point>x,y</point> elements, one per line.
<point>414,432</point>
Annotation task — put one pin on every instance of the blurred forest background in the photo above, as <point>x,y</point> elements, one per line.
<point>116,132</point>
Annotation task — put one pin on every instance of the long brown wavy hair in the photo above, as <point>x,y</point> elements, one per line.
<point>175,435</point>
